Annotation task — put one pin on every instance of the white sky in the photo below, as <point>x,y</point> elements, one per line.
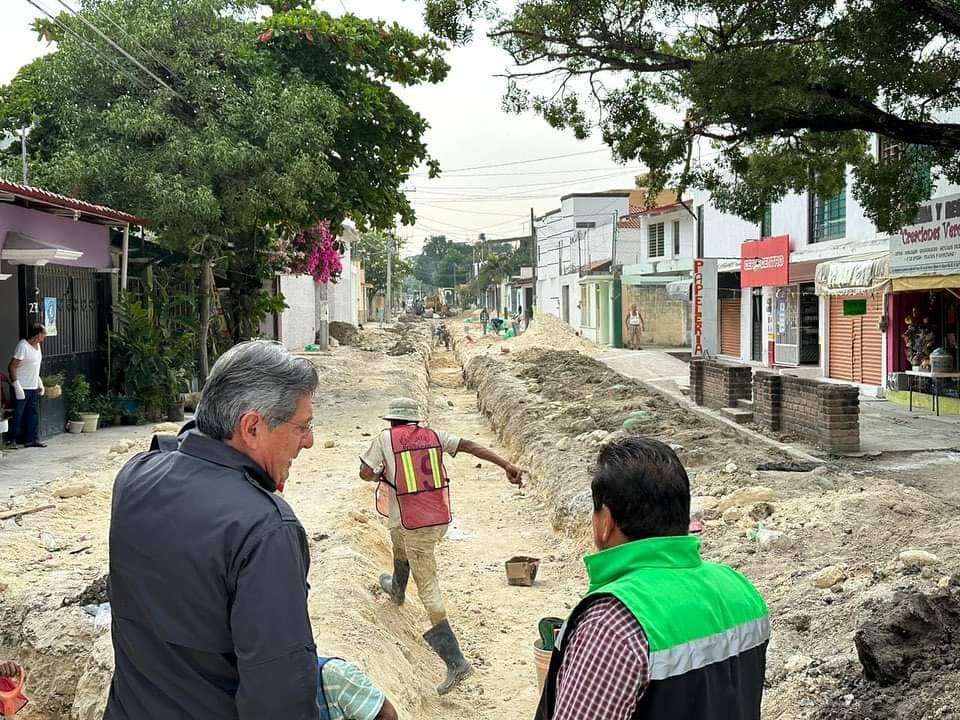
<point>467,129</point>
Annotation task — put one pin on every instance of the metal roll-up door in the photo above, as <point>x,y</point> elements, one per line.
<point>730,326</point>
<point>856,343</point>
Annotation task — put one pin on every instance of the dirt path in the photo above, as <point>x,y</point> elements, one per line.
<point>493,520</point>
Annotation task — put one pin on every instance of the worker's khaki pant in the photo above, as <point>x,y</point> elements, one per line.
<point>418,547</point>
<point>634,337</point>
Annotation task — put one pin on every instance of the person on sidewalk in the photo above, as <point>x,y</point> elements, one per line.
<point>661,633</point>
<point>24,374</point>
<point>346,693</point>
<point>635,326</point>
<point>208,563</point>
<point>414,493</point>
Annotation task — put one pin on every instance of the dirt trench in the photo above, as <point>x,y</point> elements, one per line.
<point>71,660</point>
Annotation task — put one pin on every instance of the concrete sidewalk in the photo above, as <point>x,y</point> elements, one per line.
<point>28,469</point>
<point>885,427</point>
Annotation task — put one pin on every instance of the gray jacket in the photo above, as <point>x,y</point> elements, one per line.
<point>208,586</point>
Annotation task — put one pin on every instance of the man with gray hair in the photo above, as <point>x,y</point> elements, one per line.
<point>208,564</point>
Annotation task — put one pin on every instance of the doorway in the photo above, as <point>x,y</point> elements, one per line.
<point>756,317</point>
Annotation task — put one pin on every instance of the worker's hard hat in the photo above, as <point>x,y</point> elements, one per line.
<point>405,409</point>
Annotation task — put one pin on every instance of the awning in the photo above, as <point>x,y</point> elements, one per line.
<point>23,250</point>
<point>926,282</point>
<point>679,290</point>
<point>857,275</point>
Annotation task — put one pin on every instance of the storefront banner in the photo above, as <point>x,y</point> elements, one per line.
<point>706,338</point>
<point>765,263</point>
<point>931,246</point>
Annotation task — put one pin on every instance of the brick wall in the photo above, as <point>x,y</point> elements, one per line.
<point>723,383</point>
<point>664,319</point>
<point>824,414</point>
<point>767,400</point>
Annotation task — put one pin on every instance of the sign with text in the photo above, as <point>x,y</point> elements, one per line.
<point>765,263</point>
<point>930,246</point>
<point>854,307</point>
<point>705,320</point>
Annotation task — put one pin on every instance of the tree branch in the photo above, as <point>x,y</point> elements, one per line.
<point>939,11</point>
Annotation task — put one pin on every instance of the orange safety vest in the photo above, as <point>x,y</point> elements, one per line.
<point>421,483</point>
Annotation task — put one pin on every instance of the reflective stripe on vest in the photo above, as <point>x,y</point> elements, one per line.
<point>421,483</point>
<point>699,653</point>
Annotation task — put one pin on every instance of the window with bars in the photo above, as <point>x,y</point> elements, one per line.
<point>828,217</point>
<point>655,241</point>
<point>699,231</point>
<point>888,148</point>
<point>766,222</point>
<point>676,238</point>
<point>918,160</point>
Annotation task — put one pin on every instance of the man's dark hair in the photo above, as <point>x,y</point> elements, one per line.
<point>398,423</point>
<point>645,487</point>
<point>36,329</point>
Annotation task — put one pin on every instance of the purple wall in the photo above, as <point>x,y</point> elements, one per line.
<point>43,228</point>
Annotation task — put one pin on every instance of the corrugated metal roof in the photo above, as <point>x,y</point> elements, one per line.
<point>52,199</point>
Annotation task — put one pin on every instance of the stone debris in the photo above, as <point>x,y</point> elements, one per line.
<point>918,558</point>
<point>829,576</point>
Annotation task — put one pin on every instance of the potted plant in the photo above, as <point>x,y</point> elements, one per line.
<point>81,402</point>
<point>107,409</point>
<point>52,386</point>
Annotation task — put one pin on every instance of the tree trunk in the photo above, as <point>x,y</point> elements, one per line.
<point>206,271</point>
<point>323,316</point>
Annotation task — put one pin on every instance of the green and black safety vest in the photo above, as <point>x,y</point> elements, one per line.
<point>706,625</point>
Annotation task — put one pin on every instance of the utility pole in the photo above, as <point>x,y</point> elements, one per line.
<point>533,262</point>
<point>23,153</point>
<point>388,309</point>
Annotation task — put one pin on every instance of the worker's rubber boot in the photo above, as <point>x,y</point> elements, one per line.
<point>395,586</point>
<point>444,643</point>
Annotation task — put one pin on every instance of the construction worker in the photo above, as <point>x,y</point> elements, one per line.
<point>346,693</point>
<point>661,633</point>
<point>414,493</point>
<point>208,563</point>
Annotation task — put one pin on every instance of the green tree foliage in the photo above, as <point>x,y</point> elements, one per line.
<point>261,127</point>
<point>788,94</point>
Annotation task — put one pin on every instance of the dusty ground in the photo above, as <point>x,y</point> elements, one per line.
<point>850,520</point>
<point>550,405</point>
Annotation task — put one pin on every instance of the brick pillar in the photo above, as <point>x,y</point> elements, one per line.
<point>768,400</point>
<point>838,418</point>
<point>738,381</point>
<point>696,380</point>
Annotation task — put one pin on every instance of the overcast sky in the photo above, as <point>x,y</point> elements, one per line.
<point>467,129</point>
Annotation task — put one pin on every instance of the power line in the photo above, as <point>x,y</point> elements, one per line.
<point>153,56</point>
<point>543,183</point>
<point>471,212</point>
<point>512,174</point>
<point>522,162</point>
<point>73,33</point>
<point>120,49</point>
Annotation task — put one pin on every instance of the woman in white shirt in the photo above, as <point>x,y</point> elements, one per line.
<point>634,327</point>
<point>24,372</point>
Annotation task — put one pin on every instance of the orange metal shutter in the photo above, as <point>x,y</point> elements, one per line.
<point>730,326</point>
<point>856,343</point>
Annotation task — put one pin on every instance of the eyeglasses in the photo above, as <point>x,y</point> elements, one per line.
<point>305,429</point>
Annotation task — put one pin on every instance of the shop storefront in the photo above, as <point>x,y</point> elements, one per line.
<point>855,302</point>
<point>792,308</point>
<point>924,304</point>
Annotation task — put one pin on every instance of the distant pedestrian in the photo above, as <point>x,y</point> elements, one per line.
<point>24,373</point>
<point>414,493</point>
<point>661,633</point>
<point>635,326</point>
<point>484,319</point>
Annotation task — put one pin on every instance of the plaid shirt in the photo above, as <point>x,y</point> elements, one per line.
<point>606,665</point>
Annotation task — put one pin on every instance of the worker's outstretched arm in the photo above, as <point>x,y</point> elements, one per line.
<point>484,453</point>
<point>387,712</point>
<point>272,637</point>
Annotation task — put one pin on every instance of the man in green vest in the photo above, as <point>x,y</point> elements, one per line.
<point>660,633</point>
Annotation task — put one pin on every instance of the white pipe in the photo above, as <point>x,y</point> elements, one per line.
<point>125,257</point>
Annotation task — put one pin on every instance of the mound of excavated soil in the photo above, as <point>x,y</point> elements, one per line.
<point>823,544</point>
